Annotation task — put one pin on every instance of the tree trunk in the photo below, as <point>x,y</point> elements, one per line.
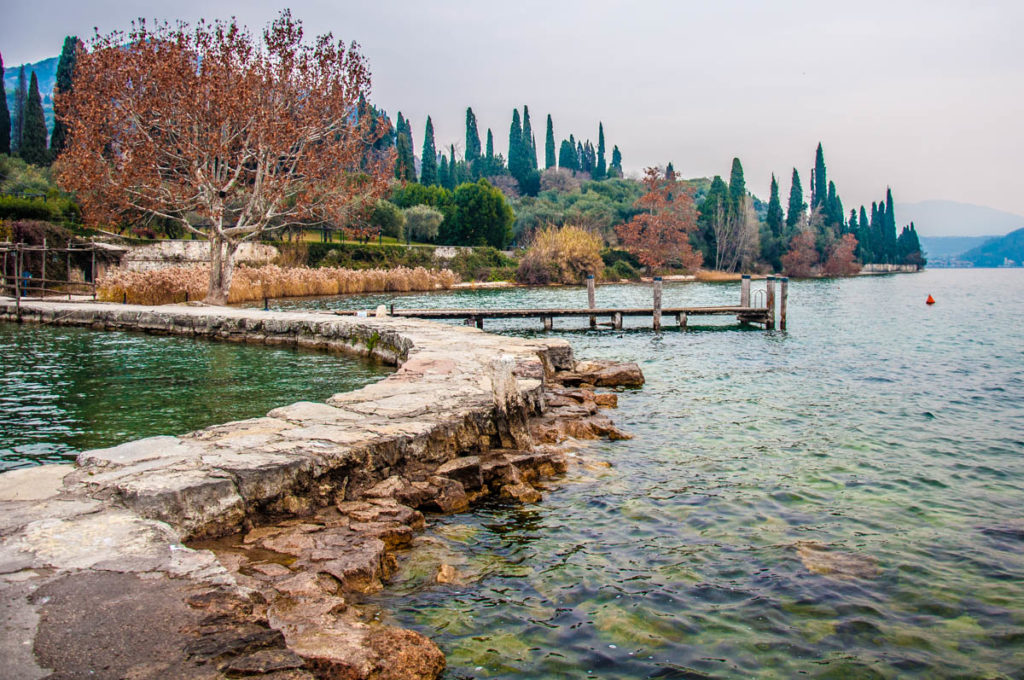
<point>222,268</point>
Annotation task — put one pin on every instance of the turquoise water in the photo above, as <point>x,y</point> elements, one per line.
<point>882,433</point>
<point>66,390</point>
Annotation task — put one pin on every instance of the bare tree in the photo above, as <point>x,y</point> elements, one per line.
<point>736,238</point>
<point>222,133</point>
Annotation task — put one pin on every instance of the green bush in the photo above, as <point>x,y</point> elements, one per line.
<point>611,256</point>
<point>49,209</point>
<point>479,264</point>
<point>622,270</point>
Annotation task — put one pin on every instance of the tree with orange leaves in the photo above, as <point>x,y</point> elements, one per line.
<point>222,133</point>
<point>660,233</point>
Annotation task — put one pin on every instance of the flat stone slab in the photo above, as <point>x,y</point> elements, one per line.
<point>34,483</point>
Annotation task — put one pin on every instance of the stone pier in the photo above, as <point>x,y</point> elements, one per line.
<point>97,576</point>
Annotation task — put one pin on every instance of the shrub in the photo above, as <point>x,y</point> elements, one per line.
<point>480,264</point>
<point>169,285</point>
<point>388,218</point>
<point>561,255</point>
<point>622,270</point>
<point>422,222</point>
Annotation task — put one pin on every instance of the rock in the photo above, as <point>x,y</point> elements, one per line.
<point>819,559</point>
<point>524,493</point>
<point>605,374</point>
<point>265,661</point>
<point>307,585</point>
<point>450,497</point>
<point>413,494</point>
<point>465,470</point>
<point>405,655</point>
<point>446,573</point>
<point>271,569</point>
<point>33,483</point>
<point>607,400</point>
<point>381,510</point>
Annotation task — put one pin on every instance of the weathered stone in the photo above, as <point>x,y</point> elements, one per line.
<point>272,570</point>
<point>465,470</point>
<point>450,496</point>
<point>381,510</point>
<point>819,559</point>
<point>33,483</point>
<point>446,573</point>
<point>607,400</point>
<point>609,373</point>
<point>522,492</point>
<point>265,661</point>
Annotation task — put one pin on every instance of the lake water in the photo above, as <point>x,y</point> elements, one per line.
<point>67,390</point>
<point>879,437</point>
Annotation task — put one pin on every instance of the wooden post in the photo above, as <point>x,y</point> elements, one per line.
<point>480,322</point>
<point>681,318</point>
<point>548,322</point>
<point>657,303</point>
<point>617,321</point>
<point>745,291</point>
<point>68,269</point>
<point>783,294</point>
<point>770,303</point>
<point>17,281</point>
<point>42,267</point>
<point>590,298</point>
<point>92,267</point>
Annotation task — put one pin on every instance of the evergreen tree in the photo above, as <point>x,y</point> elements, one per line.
<point>601,168</point>
<point>65,69</point>
<point>33,140</point>
<point>819,185</point>
<point>617,161</point>
<point>456,170</point>
<point>737,187</point>
<point>516,153</point>
<point>567,156</point>
<point>549,146</point>
<point>5,117</point>
<point>428,162</point>
<point>405,161</point>
<point>889,225</point>
<point>472,137</point>
<point>715,206</point>
<point>670,171</point>
<point>529,143</point>
<point>774,218</point>
<point>864,251</point>
<point>490,145</point>
<point>851,226</point>
<point>18,114</point>
<point>772,243</point>
<point>444,177</point>
<point>795,212</point>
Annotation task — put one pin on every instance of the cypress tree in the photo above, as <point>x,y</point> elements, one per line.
<point>819,184</point>
<point>864,251</point>
<point>567,159</point>
<point>831,206</point>
<point>428,162</point>
<point>774,217</point>
<point>529,144</point>
<point>851,226</point>
<point>454,169</point>
<point>549,146</point>
<point>670,171</point>
<point>737,187</point>
<point>516,153</point>
<point>794,215</point>
<point>64,84</point>
<point>601,169</point>
<point>472,137</point>
<point>490,145</point>
<point>33,140</point>
<point>405,161</point>
<point>617,160</point>
<point>889,225</point>
<point>444,178</point>
<point>18,114</point>
<point>5,117</point>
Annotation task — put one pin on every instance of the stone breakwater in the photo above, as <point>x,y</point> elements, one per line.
<point>236,550</point>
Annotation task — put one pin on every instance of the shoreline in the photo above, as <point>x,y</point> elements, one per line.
<point>327,490</point>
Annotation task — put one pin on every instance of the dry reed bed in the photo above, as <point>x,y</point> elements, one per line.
<point>166,286</point>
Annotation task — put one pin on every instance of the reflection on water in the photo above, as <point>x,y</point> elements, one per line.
<point>66,390</point>
<point>840,501</point>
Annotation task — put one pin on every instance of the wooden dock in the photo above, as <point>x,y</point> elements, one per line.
<point>745,312</point>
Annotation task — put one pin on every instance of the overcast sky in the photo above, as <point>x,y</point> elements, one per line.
<point>925,96</point>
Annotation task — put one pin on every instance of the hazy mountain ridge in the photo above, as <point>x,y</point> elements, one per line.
<point>950,218</point>
<point>942,247</point>
<point>996,252</point>
<point>46,73</point>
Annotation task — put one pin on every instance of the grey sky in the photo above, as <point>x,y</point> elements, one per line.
<point>923,96</point>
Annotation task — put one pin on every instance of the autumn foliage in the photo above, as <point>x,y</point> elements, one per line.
<point>221,133</point>
<point>842,260</point>
<point>802,257</point>
<point>660,233</point>
<point>561,255</point>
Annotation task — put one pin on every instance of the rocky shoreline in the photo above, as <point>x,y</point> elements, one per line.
<point>235,550</point>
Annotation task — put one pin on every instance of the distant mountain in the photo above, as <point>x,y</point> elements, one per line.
<point>996,253</point>
<point>949,218</point>
<point>46,73</point>
<point>945,247</point>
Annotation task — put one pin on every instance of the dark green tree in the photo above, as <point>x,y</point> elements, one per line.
<point>18,113</point>
<point>819,185</point>
<point>405,161</point>
<point>64,85</point>
<point>601,168</point>
<point>5,117</point>
<point>490,144</point>
<point>617,161</point>
<point>670,171</point>
<point>889,226</point>
<point>567,159</point>
<point>428,162</point>
<point>516,151</point>
<point>472,137</point>
<point>864,247</point>
<point>737,187</point>
<point>715,206</point>
<point>795,211</point>
<point>480,217</point>
<point>772,243</point>
<point>33,141</point>
<point>549,146</point>
<point>444,177</point>
<point>529,143</point>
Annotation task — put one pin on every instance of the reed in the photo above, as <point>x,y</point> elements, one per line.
<point>713,276</point>
<point>169,285</point>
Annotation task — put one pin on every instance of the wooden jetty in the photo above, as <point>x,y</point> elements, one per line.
<point>746,312</point>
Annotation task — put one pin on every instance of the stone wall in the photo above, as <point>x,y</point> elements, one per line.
<point>889,269</point>
<point>168,253</point>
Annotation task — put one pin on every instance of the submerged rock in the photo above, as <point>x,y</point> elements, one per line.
<point>817,558</point>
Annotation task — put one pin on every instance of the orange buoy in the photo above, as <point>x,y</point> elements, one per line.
<point>930,300</point>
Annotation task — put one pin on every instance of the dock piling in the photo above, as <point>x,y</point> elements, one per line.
<point>745,291</point>
<point>770,303</point>
<point>783,294</point>
<point>657,303</point>
<point>590,299</point>
<point>617,321</point>
<point>682,321</point>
